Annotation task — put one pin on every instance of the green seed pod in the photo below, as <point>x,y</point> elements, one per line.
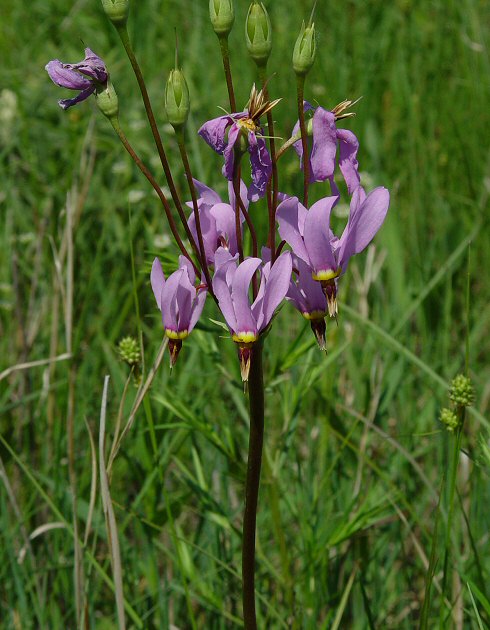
<point>107,101</point>
<point>304,50</point>
<point>450,419</point>
<point>129,351</point>
<point>222,16</point>
<point>258,33</point>
<point>117,11</point>
<point>177,101</point>
<point>461,391</point>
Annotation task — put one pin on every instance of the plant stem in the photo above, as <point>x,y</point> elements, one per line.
<point>126,42</point>
<point>271,202</point>
<point>300,86</point>
<point>185,161</point>
<point>225,54</point>
<point>139,163</point>
<point>256,406</point>
<point>457,438</point>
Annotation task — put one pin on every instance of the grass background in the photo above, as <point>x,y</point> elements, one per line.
<point>355,457</point>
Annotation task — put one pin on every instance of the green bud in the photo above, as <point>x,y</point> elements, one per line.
<point>177,101</point>
<point>450,419</point>
<point>222,16</point>
<point>117,11</point>
<point>304,50</point>
<point>129,351</point>
<point>461,391</point>
<point>258,33</point>
<point>107,101</point>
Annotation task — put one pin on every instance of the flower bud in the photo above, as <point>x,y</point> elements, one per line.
<point>177,102</point>
<point>258,33</point>
<point>107,101</point>
<point>222,16</point>
<point>117,11</point>
<point>304,50</point>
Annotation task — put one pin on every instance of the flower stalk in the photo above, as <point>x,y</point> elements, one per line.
<point>140,164</point>
<point>254,463</point>
<point>300,88</point>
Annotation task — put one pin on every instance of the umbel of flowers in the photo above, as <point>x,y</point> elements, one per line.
<point>247,286</point>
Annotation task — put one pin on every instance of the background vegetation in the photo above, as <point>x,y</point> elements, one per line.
<point>349,529</point>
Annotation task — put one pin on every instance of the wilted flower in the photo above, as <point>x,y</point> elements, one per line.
<point>311,239</point>
<point>217,219</point>
<point>88,75</point>
<point>244,132</point>
<point>324,150</point>
<point>231,285</point>
<point>180,302</point>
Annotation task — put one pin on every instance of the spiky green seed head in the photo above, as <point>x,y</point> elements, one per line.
<point>222,16</point>
<point>107,101</point>
<point>461,391</point>
<point>117,11</point>
<point>304,50</point>
<point>450,419</point>
<point>129,351</point>
<point>258,33</point>
<point>177,100</point>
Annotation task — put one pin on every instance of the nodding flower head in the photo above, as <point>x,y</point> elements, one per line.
<point>231,285</point>
<point>180,302</point>
<point>309,234</point>
<point>235,133</point>
<point>217,219</point>
<point>307,296</point>
<point>87,76</point>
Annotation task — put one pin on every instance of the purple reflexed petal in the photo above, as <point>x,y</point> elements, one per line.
<point>348,147</point>
<point>333,187</point>
<point>367,220</point>
<point>243,194</point>
<point>295,296</point>
<point>317,235</point>
<point>169,300</point>
<point>311,289</point>
<point>261,166</point>
<point>229,153</point>
<point>224,216</point>
<point>239,294</point>
<point>206,194</point>
<point>65,103</point>
<point>222,256</point>
<point>157,279</point>
<point>213,132</point>
<point>208,230</point>
<point>222,288</point>
<point>322,158</point>
<point>197,307</point>
<point>291,217</point>
<point>92,66</point>
<point>185,263</point>
<point>185,296</point>
<point>65,77</point>
<point>276,288</point>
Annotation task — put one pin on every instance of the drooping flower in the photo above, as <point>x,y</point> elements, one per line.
<point>307,296</point>
<point>180,302</point>
<point>244,132</point>
<point>309,235</point>
<point>323,154</point>
<point>87,76</point>
<point>231,285</point>
<point>217,219</point>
